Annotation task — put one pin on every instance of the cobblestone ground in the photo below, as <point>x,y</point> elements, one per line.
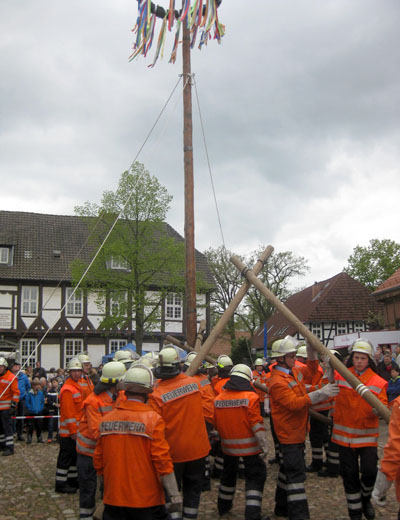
<point>27,490</point>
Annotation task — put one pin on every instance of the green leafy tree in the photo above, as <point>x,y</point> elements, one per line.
<point>375,263</point>
<point>140,263</point>
<point>241,351</point>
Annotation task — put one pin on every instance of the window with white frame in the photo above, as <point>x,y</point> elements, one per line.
<point>173,307</point>
<point>316,329</point>
<point>72,347</point>
<point>29,301</point>
<point>4,255</point>
<point>28,352</point>
<point>342,327</point>
<point>118,304</point>
<point>117,344</point>
<point>118,262</point>
<point>74,302</point>
<point>359,326</point>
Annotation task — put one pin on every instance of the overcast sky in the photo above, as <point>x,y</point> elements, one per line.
<point>300,104</point>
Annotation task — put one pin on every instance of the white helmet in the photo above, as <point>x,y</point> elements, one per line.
<point>74,364</point>
<point>150,357</point>
<point>112,372</point>
<point>168,357</point>
<point>285,346</point>
<point>83,358</point>
<point>3,362</point>
<point>224,361</point>
<point>189,358</point>
<point>122,355</point>
<point>364,347</point>
<point>259,362</point>
<point>302,351</point>
<point>242,370</point>
<point>138,379</point>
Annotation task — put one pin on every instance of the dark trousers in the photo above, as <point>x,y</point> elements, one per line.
<point>34,424</point>
<point>18,424</point>
<point>87,486</point>
<point>66,470</point>
<point>6,431</point>
<point>189,477</point>
<point>52,426</point>
<point>255,476</point>
<point>290,495</point>
<point>354,461</point>
<point>134,513</point>
<point>276,441</point>
<point>319,437</point>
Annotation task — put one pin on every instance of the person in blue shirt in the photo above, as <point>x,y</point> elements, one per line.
<point>24,386</point>
<point>393,389</point>
<point>34,403</point>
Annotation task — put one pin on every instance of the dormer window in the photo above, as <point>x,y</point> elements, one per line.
<point>119,263</point>
<point>5,255</point>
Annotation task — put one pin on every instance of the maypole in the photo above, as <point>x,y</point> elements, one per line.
<point>203,15</point>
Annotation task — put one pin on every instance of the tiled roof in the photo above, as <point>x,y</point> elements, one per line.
<point>37,237</point>
<point>340,298</point>
<point>391,284</point>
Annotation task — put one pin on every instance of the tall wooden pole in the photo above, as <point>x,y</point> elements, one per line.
<point>190,271</point>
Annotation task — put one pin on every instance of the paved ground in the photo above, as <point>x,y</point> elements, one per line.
<point>27,491</point>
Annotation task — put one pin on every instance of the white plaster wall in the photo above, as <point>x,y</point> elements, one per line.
<point>52,297</point>
<point>154,347</point>
<point>5,300</point>
<point>93,308</point>
<point>51,317</point>
<point>74,322</point>
<point>96,352</point>
<point>173,326</point>
<point>28,320</point>
<point>50,356</point>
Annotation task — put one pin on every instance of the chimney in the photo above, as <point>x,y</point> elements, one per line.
<point>315,290</point>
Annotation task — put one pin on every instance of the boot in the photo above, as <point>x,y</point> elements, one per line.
<point>313,468</point>
<point>327,473</point>
<point>29,439</point>
<point>66,488</point>
<point>7,452</point>
<point>40,440</point>
<point>368,510</point>
<point>20,438</point>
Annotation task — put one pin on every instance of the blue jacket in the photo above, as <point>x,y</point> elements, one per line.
<point>393,389</point>
<point>34,402</point>
<point>23,385</point>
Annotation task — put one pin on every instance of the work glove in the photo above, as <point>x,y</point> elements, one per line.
<point>324,393</point>
<point>267,409</point>
<point>262,443</point>
<point>329,370</point>
<point>312,355</point>
<point>174,504</point>
<point>382,485</point>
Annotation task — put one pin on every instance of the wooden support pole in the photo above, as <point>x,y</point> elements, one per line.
<point>188,348</point>
<point>200,335</point>
<point>313,340</point>
<point>224,319</point>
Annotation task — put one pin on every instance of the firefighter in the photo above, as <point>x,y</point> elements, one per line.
<point>289,406</point>
<point>133,456</point>
<point>71,402</point>
<point>242,432</point>
<point>9,397</point>
<point>356,430</point>
<point>177,398</point>
<point>260,376</point>
<point>100,402</point>
<point>85,381</point>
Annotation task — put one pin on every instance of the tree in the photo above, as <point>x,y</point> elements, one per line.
<point>375,263</point>
<point>140,263</point>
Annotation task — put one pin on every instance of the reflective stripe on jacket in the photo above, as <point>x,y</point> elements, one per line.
<point>178,400</point>
<point>86,385</point>
<point>207,394</point>
<point>237,419</point>
<point>8,385</point>
<point>290,403</point>
<point>354,423</point>
<point>94,409</point>
<point>71,403</point>
<point>132,454</point>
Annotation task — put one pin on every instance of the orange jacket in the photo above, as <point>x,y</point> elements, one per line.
<point>354,423</point>
<point>178,401</point>
<point>93,411</point>
<point>237,419</point>
<point>318,381</point>
<point>131,454</point>
<point>207,394</point>
<point>71,402</point>
<point>218,383</point>
<point>262,379</point>
<point>390,464</point>
<point>11,392</point>
<point>87,386</point>
<point>290,403</point>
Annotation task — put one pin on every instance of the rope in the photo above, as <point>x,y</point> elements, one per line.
<point>208,162</point>
<point>98,250</point>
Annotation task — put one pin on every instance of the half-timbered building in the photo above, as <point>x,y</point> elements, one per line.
<point>388,293</point>
<point>37,311</point>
